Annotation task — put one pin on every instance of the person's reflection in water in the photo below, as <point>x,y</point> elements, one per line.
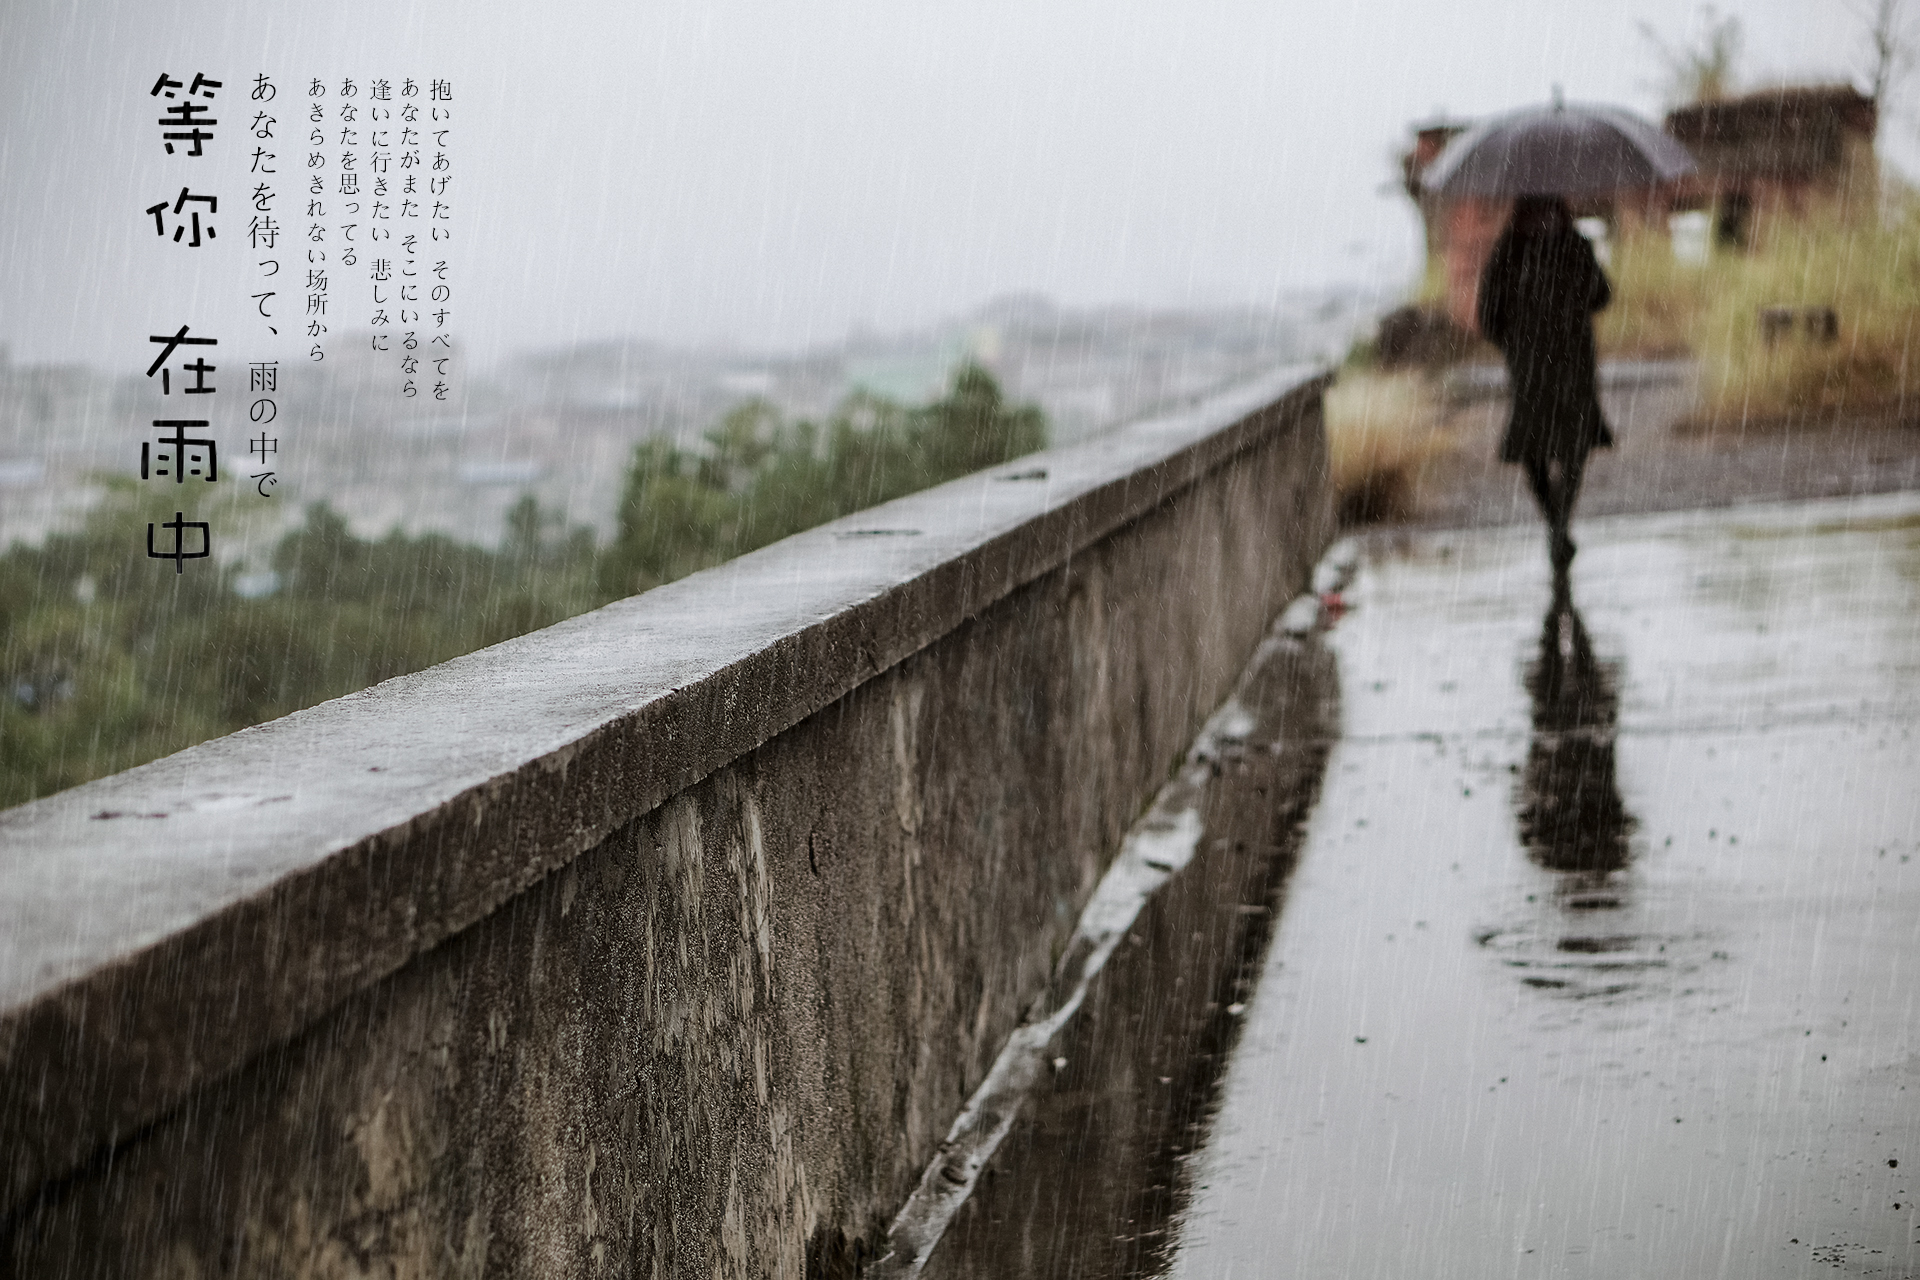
<point>1571,816</point>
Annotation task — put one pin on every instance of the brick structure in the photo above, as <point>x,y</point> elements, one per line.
<point>1774,152</point>
<point>1766,154</point>
<point>1460,232</point>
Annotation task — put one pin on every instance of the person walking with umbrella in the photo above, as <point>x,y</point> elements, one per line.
<point>1537,299</point>
<point>1542,285</point>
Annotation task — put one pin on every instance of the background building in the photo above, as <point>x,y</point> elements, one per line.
<point>1778,152</point>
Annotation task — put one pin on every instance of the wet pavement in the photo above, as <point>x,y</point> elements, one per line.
<point>1602,953</point>
<point>1659,462</point>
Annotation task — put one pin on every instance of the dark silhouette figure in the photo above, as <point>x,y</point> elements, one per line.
<point>1537,299</point>
<point>1571,815</point>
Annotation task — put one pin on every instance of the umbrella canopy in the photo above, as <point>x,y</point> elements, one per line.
<point>1557,150</point>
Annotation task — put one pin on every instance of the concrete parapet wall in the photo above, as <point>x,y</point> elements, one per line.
<point>665,941</point>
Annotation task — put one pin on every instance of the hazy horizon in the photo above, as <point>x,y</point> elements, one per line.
<point>773,178</point>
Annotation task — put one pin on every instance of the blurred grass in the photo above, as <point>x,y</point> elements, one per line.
<point>1862,262</point>
<point>1383,428</point>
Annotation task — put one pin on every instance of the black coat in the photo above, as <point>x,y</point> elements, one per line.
<point>1537,299</point>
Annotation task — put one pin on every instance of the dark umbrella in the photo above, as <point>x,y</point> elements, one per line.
<point>1557,150</point>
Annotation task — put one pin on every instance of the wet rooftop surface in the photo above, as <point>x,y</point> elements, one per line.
<point>1602,954</point>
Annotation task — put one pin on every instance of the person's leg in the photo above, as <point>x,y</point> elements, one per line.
<point>1544,478</point>
<point>1571,470</point>
<point>1541,482</point>
<point>1565,483</point>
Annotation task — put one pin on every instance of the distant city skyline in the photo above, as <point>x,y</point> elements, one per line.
<point>561,424</point>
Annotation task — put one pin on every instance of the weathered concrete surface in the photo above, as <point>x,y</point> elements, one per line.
<point>1601,957</point>
<point>1089,1179</point>
<point>667,940</point>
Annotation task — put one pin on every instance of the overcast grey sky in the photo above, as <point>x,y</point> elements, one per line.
<point>772,173</point>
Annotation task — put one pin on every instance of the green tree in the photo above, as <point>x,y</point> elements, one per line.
<point>108,659</point>
<point>760,479</point>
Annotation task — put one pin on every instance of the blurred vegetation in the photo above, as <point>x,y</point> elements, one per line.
<point>109,659</point>
<point>1858,256</point>
<point>1387,421</point>
<point>1864,263</point>
<point>761,479</point>
<point>1383,427</point>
